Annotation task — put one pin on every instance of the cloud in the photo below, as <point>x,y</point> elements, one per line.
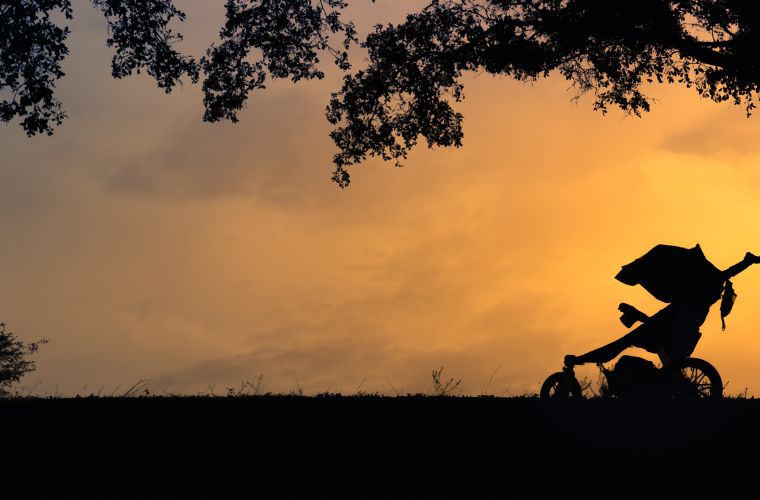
<point>515,358</point>
<point>274,155</point>
<point>723,135</point>
<point>423,307</point>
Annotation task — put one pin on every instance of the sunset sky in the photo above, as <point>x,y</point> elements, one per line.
<point>146,244</point>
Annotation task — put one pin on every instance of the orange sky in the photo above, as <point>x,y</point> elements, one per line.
<point>148,245</point>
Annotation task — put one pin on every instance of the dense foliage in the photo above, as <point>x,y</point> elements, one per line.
<point>32,47</point>
<point>609,48</point>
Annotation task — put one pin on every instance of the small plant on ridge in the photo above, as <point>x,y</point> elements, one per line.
<point>447,388</point>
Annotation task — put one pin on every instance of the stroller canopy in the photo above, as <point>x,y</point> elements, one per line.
<point>673,274</point>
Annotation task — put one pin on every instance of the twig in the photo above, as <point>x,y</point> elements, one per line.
<point>136,388</point>
<point>392,387</point>
<point>299,391</point>
<point>485,390</point>
<point>358,388</point>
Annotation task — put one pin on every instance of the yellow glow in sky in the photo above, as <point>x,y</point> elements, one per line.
<point>148,245</point>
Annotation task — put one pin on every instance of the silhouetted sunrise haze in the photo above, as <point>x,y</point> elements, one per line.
<point>148,245</point>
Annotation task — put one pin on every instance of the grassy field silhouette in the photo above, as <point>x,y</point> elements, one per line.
<point>334,446</point>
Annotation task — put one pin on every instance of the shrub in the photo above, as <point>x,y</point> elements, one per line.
<point>13,358</point>
<point>447,388</point>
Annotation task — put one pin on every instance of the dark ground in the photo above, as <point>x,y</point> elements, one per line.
<point>374,447</point>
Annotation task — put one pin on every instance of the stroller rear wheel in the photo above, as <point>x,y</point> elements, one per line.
<point>702,379</point>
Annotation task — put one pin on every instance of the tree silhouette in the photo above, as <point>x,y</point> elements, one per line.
<point>13,358</point>
<point>32,47</point>
<point>609,48</point>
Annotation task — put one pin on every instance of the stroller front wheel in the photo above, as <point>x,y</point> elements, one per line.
<point>561,385</point>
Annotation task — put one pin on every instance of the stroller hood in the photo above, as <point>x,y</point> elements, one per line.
<point>672,274</point>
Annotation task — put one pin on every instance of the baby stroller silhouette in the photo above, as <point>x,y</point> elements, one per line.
<point>691,284</point>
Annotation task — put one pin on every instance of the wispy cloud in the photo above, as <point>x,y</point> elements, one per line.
<point>725,134</point>
<point>420,311</point>
<point>252,159</point>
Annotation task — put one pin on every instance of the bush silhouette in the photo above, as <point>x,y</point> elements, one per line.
<point>13,358</point>
<point>445,388</point>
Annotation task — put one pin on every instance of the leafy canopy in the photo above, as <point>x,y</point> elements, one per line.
<point>412,80</point>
